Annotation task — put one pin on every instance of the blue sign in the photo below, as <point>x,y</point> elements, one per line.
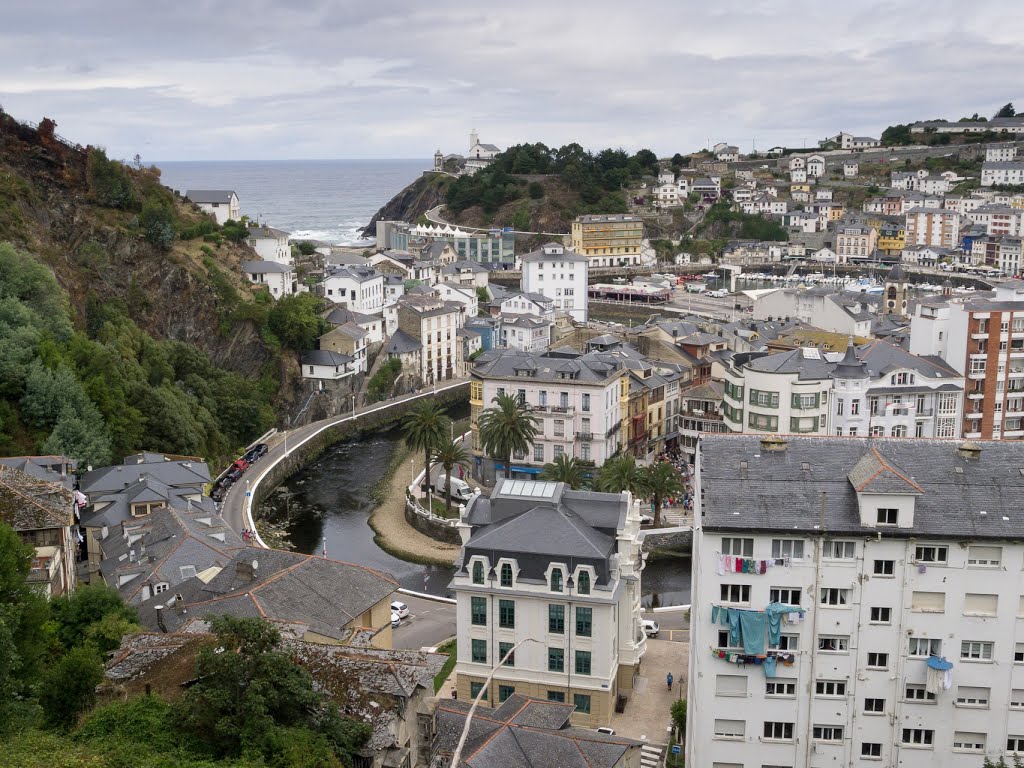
<point>676,749</point>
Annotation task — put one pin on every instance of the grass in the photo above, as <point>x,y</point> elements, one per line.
<point>449,648</point>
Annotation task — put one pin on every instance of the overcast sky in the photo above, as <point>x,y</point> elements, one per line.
<point>279,79</point>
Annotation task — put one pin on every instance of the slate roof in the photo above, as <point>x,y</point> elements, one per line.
<point>175,474</point>
<point>210,195</point>
<point>30,504</point>
<point>592,367</point>
<point>268,232</point>
<point>874,473</point>
<point>325,357</point>
<point>342,315</point>
<point>565,255</point>
<point>264,267</point>
<point>55,469</point>
<point>353,272</point>
<point>402,343</point>
<point>749,489</point>
<point>463,265</point>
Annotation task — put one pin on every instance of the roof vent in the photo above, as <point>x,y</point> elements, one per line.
<point>806,467</point>
<point>970,450</point>
<point>769,444</point>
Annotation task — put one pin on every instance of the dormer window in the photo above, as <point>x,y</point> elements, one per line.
<point>583,583</point>
<point>556,580</point>
<point>506,575</point>
<point>160,588</point>
<point>478,572</point>
<point>887,516</point>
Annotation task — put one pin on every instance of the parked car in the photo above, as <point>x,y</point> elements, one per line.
<point>241,465</point>
<point>395,619</point>
<point>399,609</point>
<point>460,488</point>
<point>233,475</point>
<point>650,627</point>
<point>256,452</point>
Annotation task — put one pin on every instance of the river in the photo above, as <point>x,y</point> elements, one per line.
<point>331,499</point>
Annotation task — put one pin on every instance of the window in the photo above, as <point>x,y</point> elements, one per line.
<point>556,619</point>
<point>834,643</point>
<point>874,706</point>
<point>538,452</point>
<point>762,423</point>
<point>583,583</point>
<point>735,593</point>
<point>504,648</point>
<point>923,647</point>
<point>871,749</point>
<point>829,688</point>
<point>980,605</point>
<point>478,611</point>
<point>556,580</point>
<point>475,690</point>
<point>1017,698</point>
<point>969,742</point>
<point>931,554</point>
<point>582,662</point>
<point>160,588</point>
<point>970,696</point>
<point>479,648</point>
<point>764,399</point>
<point>556,660</point>
<point>920,737</point>
<point>827,733</point>
<point>881,615</point>
<point>887,516</point>
<point>877,431</point>
<point>839,550</point>
<point>787,643</point>
<point>558,696</point>
<point>739,547</point>
<point>878,660</point>
<point>582,703</point>
<point>803,425</point>
<point>793,548</point>
<point>478,572</point>
<point>730,729</point>
<point>975,650</point>
<point>855,407</point>
<point>586,400</point>
<point>1015,744</point>
<point>884,567</point>
<point>504,691</point>
<point>806,402</point>
<point>506,575</point>
<point>835,596</point>
<point>1018,653</point>
<point>780,688</point>
<point>778,731</point>
<point>917,692</point>
<point>984,557</point>
<point>786,595</point>
<point>507,614</point>
<point>928,602</point>
<point>903,378</point>
<point>584,621</point>
<point>731,685</point>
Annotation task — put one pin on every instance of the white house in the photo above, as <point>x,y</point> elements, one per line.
<point>998,219</point>
<point>797,175</point>
<point>222,204</point>
<point>850,169</point>
<point>465,272</point>
<point>726,153</point>
<point>857,143</point>
<point>434,324</point>
<point>816,166</point>
<point>480,155</point>
<point>878,620</point>
<point>671,192</point>
<point>519,303</point>
<point>765,204</point>
<point>528,333</point>
<point>804,221</point>
<point>934,185</point>
<point>559,274</point>
<point>361,289</point>
<point>1005,152</point>
<point>797,162</point>
<point>278,278</point>
<point>394,288</point>
<point>271,244</point>
<point>848,313</point>
<point>461,294</point>
<point>330,366</point>
<point>1002,174</point>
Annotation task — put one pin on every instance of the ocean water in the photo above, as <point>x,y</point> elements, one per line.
<point>327,200</point>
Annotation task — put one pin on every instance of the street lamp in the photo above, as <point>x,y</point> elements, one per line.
<point>487,683</point>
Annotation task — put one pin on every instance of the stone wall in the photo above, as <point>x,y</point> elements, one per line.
<point>678,541</point>
<point>435,528</point>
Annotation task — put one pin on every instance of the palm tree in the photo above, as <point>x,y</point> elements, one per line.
<point>449,454</point>
<point>619,474</point>
<point>426,427</point>
<point>661,481</point>
<point>506,429</point>
<point>564,469</point>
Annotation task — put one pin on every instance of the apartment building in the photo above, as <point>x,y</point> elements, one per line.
<point>1003,253</point>
<point>870,590</point>
<point>877,389</point>
<point>608,240</point>
<point>559,274</point>
<point>983,340</point>
<point>360,289</point>
<point>855,241</point>
<point>998,219</point>
<point>1001,153</point>
<point>933,226</point>
<point>1000,174</point>
<point>434,323</point>
<point>558,571</point>
<point>577,399</point>
<point>271,244</point>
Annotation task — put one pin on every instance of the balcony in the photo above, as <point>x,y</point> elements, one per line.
<point>553,410</point>
<point>972,415</point>
<point>923,412</point>
<point>585,436</point>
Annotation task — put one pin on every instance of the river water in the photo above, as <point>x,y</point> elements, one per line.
<point>329,502</point>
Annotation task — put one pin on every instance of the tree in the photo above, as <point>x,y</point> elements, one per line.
<point>449,454</point>
<point>69,687</point>
<point>109,182</point>
<point>564,469</point>
<point>296,321</point>
<point>679,717</point>
<point>661,481</point>
<point>535,190</point>
<point>1006,110</point>
<point>426,427</point>
<point>157,223</point>
<point>506,429</point>
<point>306,247</point>
<point>74,615</point>
<point>619,474</point>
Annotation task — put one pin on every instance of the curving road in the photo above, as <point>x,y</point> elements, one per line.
<point>236,509</point>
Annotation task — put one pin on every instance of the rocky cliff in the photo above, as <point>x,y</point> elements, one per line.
<point>412,202</point>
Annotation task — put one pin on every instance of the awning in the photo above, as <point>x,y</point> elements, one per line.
<point>500,467</point>
<point>938,662</point>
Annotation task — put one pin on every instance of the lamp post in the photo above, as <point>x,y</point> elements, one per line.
<point>353,405</point>
<point>457,756</point>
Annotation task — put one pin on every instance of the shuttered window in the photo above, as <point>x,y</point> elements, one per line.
<point>928,602</point>
<point>980,605</point>
<point>731,685</point>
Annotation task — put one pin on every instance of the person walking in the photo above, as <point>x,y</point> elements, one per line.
<point>669,678</point>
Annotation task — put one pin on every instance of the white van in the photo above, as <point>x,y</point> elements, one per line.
<point>460,488</point>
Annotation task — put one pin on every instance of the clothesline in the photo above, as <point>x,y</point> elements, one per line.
<point>748,627</point>
<point>736,564</point>
<point>768,661</point>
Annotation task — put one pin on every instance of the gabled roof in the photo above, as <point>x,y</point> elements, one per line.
<point>264,267</point>
<point>30,504</point>
<point>402,343</point>
<point>325,357</point>
<point>210,195</point>
<point>176,474</point>
<point>876,474</point>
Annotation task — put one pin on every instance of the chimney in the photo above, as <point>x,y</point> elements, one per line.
<point>246,570</point>
<point>773,444</point>
<point>969,450</point>
<point>160,618</point>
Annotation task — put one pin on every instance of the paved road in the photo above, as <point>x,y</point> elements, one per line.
<point>429,623</point>
<point>234,504</point>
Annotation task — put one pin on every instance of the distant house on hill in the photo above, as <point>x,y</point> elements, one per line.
<point>222,204</point>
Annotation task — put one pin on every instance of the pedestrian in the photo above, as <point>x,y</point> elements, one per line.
<point>669,678</point>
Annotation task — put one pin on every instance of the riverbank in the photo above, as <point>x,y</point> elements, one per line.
<point>391,531</point>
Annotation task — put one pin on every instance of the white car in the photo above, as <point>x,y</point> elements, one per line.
<point>650,627</point>
<point>395,620</point>
<point>399,609</point>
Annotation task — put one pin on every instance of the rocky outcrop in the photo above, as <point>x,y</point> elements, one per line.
<point>412,202</point>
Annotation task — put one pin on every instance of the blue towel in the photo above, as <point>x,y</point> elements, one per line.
<point>769,667</point>
<point>752,626</point>
<point>774,613</point>
<point>734,627</point>
<point>714,614</point>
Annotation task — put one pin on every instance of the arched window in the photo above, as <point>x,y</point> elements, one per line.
<point>506,575</point>
<point>583,583</point>
<point>556,580</point>
<point>892,292</point>
<point>478,572</point>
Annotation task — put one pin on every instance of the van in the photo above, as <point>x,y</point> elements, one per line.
<point>460,488</point>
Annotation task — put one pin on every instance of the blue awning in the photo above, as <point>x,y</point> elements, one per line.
<point>938,662</point>
<point>499,467</point>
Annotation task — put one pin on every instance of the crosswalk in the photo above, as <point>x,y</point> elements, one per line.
<point>651,755</point>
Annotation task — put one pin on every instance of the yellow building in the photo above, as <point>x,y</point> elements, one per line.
<point>608,240</point>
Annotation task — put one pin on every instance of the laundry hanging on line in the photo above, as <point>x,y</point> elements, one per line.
<point>748,628</point>
<point>735,564</point>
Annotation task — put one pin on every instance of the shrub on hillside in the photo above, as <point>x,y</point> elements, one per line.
<point>109,182</point>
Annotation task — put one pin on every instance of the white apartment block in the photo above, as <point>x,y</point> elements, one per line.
<point>993,174</point>
<point>851,169</point>
<point>1001,153</point>
<point>528,333</point>
<point>670,191</point>
<point>815,166</point>
<point>1001,252</point>
<point>434,323</point>
<point>558,571</point>
<point>360,289</point>
<point>905,560</point>
<point>559,274</point>
<point>577,401</point>
<point>998,219</point>
<point>278,278</point>
<point>271,244</point>
<point>878,390</point>
<point>933,226</point>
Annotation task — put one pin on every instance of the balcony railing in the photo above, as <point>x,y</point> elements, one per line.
<point>584,435</point>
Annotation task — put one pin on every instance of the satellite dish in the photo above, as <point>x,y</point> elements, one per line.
<point>255,565</point>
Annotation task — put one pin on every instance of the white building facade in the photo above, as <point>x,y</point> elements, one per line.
<point>559,274</point>
<point>361,289</point>
<point>271,244</point>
